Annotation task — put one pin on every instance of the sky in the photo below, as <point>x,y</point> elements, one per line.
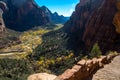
<point>62,7</point>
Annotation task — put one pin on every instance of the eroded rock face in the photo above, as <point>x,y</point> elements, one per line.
<point>92,22</point>
<point>85,69</point>
<point>116,20</point>
<point>24,14</point>
<point>3,7</point>
<point>42,76</point>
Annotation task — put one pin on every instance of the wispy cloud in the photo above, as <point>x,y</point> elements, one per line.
<point>72,8</point>
<point>73,4</point>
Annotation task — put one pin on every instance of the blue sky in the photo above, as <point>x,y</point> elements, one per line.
<point>63,7</point>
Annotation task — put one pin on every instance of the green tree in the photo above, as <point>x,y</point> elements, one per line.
<point>95,52</point>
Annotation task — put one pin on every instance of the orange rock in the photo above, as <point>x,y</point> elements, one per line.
<point>76,67</point>
<point>116,22</point>
<point>82,62</point>
<point>67,75</point>
<point>42,76</point>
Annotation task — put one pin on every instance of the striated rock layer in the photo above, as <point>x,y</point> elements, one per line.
<point>93,22</point>
<point>3,7</point>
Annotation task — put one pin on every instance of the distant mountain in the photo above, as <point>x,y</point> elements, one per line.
<point>23,15</point>
<point>54,17</point>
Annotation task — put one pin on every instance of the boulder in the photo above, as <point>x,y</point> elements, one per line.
<point>42,76</point>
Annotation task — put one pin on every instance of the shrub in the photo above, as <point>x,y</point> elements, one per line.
<point>95,52</point>
<point>13,69</point>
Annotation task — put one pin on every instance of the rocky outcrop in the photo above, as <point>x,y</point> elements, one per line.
<point>116,20</point>
<point>3,8</point>
<point>110,71</point>
<point>42,76</point>
<point>92,22</point>
<point>23,15</point>
<point>54,17</point>
<point>85,69</point>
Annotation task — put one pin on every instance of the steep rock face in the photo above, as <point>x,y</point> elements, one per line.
<point>116,20</point>
<point>24,14</point>
<point>92,22</point>
<point>54,17</point>
<point>85,69</point>
<point>6,36</point>
<point>3,7</point>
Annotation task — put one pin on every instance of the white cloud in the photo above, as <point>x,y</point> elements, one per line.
<point>71,10</point>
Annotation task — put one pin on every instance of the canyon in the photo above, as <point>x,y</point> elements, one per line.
<point>94,21</point>
<point>26,14</point>
<point>64,51</point>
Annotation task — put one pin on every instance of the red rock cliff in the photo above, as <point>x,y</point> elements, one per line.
<point>24,14</point>
<point>3,8</point>
<point>92,22</point>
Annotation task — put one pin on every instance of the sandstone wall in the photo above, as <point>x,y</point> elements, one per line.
<point>3,8</point>
<point>23,15</point>
<point>84,69</point>
<point>91,22</point>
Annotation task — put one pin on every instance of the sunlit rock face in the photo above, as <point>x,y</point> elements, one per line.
<point>92,22</point>
<point>3,8</point>
<point>116,20</point>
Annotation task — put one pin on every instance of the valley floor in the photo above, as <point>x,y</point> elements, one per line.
<point>110,71</point>
<point>29,41</point>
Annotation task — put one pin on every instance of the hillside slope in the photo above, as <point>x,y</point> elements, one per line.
<point>7,37</point>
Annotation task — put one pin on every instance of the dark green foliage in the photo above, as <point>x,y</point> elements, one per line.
<point>95,52</point>
<point>12,69</point>
<point>54,47</point>
<point>59,67</point>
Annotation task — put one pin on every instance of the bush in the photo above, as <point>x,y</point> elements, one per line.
<point>13,69</point>
<point>95,52</point>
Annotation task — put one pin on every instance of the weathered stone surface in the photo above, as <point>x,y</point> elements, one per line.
<point>82,62</point>
<point>67,75</point>
<point>3,8</point>
<point>92,22</point>
<point>80,72</point>
<point>110,71</point>
<point>116,20</point>
<point>42,76</point>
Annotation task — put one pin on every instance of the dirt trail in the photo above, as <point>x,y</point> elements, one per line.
<point>110,71</point>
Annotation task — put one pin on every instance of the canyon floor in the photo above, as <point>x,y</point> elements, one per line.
<point>110,71</point>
